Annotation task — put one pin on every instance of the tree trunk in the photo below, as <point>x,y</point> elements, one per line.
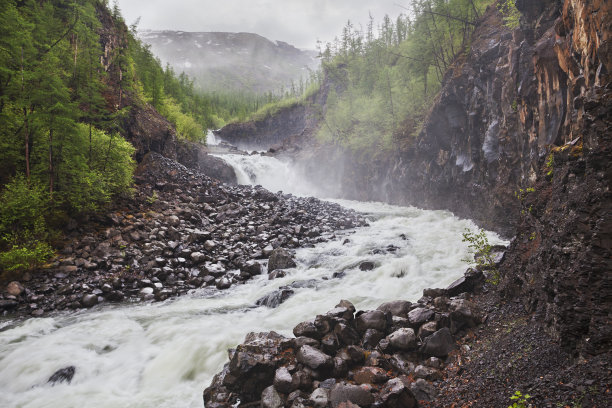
<point>51,178</point>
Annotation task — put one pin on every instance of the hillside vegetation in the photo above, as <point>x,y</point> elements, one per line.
<point>70,73</point>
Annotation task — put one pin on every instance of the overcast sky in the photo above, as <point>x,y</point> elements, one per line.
<point>298,22</point>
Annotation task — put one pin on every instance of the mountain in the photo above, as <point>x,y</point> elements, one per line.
<point>236,61</point>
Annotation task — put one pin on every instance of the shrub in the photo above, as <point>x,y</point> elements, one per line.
<point>481,251</point>
<point>22,209</point>
<point>25,257</point>
<point>520,400</point>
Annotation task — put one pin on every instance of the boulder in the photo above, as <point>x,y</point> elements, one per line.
<point>374,319</point>
<point>466,283</point>
<point>89,300</point>
<point>427,373</point>
<point>370,375</point>
<point>15,288</point>
<point>344,392</point>
<point>283,381</point>
<point>395,394</point>
<point>403,339</point>
<point>270,398</point>
<point>438,344</point>
<point>306,329</point>
<point>366,266</point>
<point>463,314</point>
<point>420,315</point>
<point>398,308</point>
<point>280,259</point>
<point>319,398</point>
<point>313,358</point>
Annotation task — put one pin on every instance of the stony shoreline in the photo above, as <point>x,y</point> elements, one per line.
<point>180,231</point>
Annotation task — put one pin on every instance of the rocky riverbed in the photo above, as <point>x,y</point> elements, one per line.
<point>180,231</point>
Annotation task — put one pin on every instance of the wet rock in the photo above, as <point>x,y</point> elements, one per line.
<point>275,298</point>
<point>427,373</point>
<point>371,337</point>
<point>6,304</point>
<point>223,283</point>
<point>438,344</point>
<point>348,305</point>
<point>403,339</point>
<point>401,364</point>
<point>313,358</point>
<point>344,392</point>
<point>89,300</point>
<point>15,288</point>
<point>466,283</point>
<point>319,398</point>
<point>423,391</point>
<point>306,329</point>
<point>252,267</point>
<point>374,319</point>
<point>398,308</point>
<point>278,273</point>
<point>283,381</point>
<point>280,259</point>
<point>419,316</point>
<point>197,257</point>
<point>270,398</point>
<point>370,375</point>
<point>62,375</point>
<point>366,266</point>
<point>463,314</point>
<point>427,329</point>
<point>346,334</point>
<point>395,394</point>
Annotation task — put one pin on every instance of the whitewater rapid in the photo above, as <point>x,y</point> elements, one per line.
<point>165,354</point>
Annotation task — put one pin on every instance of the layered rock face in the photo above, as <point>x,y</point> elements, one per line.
<point>559,263</point>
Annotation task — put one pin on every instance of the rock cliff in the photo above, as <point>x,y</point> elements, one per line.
<point>525,109</point>
<point>142,125</point>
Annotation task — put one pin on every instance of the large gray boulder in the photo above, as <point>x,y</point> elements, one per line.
<point>280,259</point>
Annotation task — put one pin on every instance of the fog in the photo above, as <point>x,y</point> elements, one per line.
<point>298,22</point>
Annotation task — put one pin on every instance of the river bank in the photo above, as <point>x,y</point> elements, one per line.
<point>180,231</point>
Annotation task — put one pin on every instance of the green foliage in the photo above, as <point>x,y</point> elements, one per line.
<point>385,80</point>
<point>550,165</point>
<point>481,252</point>
<point>186,126</point>
<point>153,198</point>
<point>60,153</point>
<point>522,193</point>
<point>20,258</point>
<point>22,209</point>
<point>520,400</point>
<point>511,14</point>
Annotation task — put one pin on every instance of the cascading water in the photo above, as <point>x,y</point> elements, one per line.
<point>269,172</point>
<point>164,354</point>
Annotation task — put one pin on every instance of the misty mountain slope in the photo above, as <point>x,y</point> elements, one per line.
<point>236,61</point>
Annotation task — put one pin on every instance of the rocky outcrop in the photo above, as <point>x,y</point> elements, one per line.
<point>195,156</point>
<point>388,357</point>
<point>272,130</point>
<point>559,262</point>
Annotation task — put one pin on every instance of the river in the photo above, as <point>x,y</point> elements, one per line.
<point>165,354</point>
